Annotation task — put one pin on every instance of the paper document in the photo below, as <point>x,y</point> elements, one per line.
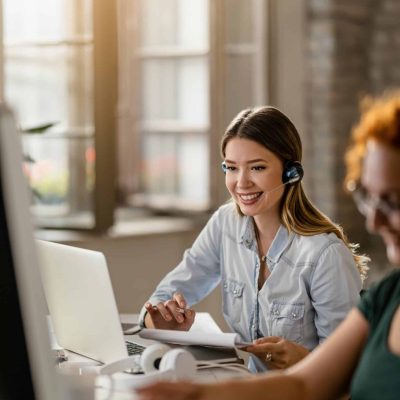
<point>193,338</point>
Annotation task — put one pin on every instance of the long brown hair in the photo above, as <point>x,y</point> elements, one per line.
<point>272,129</point>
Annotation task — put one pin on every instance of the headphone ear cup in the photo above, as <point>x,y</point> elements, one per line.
<point>152,356</point>
<point>223,167</point>
<point>293,172</point>
<point>181,362</point>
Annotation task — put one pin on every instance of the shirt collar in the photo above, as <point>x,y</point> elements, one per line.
<point>247,235</point>
<point>281,241</point>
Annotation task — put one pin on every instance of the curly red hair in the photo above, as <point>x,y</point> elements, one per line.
<point>379,121</point>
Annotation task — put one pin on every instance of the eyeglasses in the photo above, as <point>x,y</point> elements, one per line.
<point>365,202</point>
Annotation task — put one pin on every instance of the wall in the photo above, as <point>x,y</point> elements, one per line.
<point>338,33</point>
<point>353,49</point>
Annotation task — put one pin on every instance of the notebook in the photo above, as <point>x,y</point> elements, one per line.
<point>220,339</point>
<point>83,309</point>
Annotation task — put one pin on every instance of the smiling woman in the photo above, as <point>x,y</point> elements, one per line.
<point>288,274</point>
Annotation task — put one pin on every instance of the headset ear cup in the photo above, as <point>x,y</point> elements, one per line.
<point>152,356</point>
<point>293,172</point>
<point>181,362</point>
<point>223,167</point>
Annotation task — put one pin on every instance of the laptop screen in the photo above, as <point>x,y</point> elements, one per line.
<point>81,301</point>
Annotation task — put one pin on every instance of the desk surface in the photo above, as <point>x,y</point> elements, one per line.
<point>203,323</point>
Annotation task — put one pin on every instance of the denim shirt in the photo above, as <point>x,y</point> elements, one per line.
<point>312,285</point>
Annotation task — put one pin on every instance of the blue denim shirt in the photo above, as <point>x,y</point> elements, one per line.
<point>312,285</point>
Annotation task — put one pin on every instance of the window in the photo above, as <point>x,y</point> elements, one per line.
<point>54,74</point>
<point>185,68</point>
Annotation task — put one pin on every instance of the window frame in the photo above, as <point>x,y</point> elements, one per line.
<point>105,106</point>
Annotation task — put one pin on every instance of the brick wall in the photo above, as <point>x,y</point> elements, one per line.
<point>353,48</point>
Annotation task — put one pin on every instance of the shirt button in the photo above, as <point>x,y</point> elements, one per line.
<point>235,291</point>
<point>225,286</point>
<point>294,315</point>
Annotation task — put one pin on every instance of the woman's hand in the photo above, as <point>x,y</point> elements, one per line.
<point>277,352</point>
<point>171,314</point>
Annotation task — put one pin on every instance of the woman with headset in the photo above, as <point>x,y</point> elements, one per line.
<point>288,274</point>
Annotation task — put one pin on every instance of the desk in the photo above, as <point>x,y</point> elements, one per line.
<point>203,323</point>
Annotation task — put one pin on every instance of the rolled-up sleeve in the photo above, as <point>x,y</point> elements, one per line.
<point>335,287</point>
<point>199,271</point>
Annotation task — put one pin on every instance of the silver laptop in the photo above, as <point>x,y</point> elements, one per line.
<point>81,302</point>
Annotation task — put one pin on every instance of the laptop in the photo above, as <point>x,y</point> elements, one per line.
<point>84,312</point>
<point>81,303</point>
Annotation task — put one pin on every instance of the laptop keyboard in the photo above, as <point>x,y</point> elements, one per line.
<point>134,348</point>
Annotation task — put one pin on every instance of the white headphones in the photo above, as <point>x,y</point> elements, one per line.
<point>160,357</point>
<point>158,361</point>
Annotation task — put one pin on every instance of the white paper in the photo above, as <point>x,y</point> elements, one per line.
<point>193,338</point>
<point>204,323</point>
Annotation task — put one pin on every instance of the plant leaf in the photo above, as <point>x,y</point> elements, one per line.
<point>39,128</point>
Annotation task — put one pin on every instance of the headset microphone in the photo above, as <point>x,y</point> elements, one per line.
<point>277,187</point>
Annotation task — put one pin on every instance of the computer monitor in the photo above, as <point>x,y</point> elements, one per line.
<point>27,369</point>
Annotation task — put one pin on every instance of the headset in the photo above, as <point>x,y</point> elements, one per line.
<point>158,361</point>
<point>293,172</point>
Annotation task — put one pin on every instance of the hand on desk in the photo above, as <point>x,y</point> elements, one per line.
<point>171,314</point>
<point>277,352</point>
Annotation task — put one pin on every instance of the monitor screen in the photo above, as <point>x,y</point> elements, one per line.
<point>15,376</point>
<point>27,370</point>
